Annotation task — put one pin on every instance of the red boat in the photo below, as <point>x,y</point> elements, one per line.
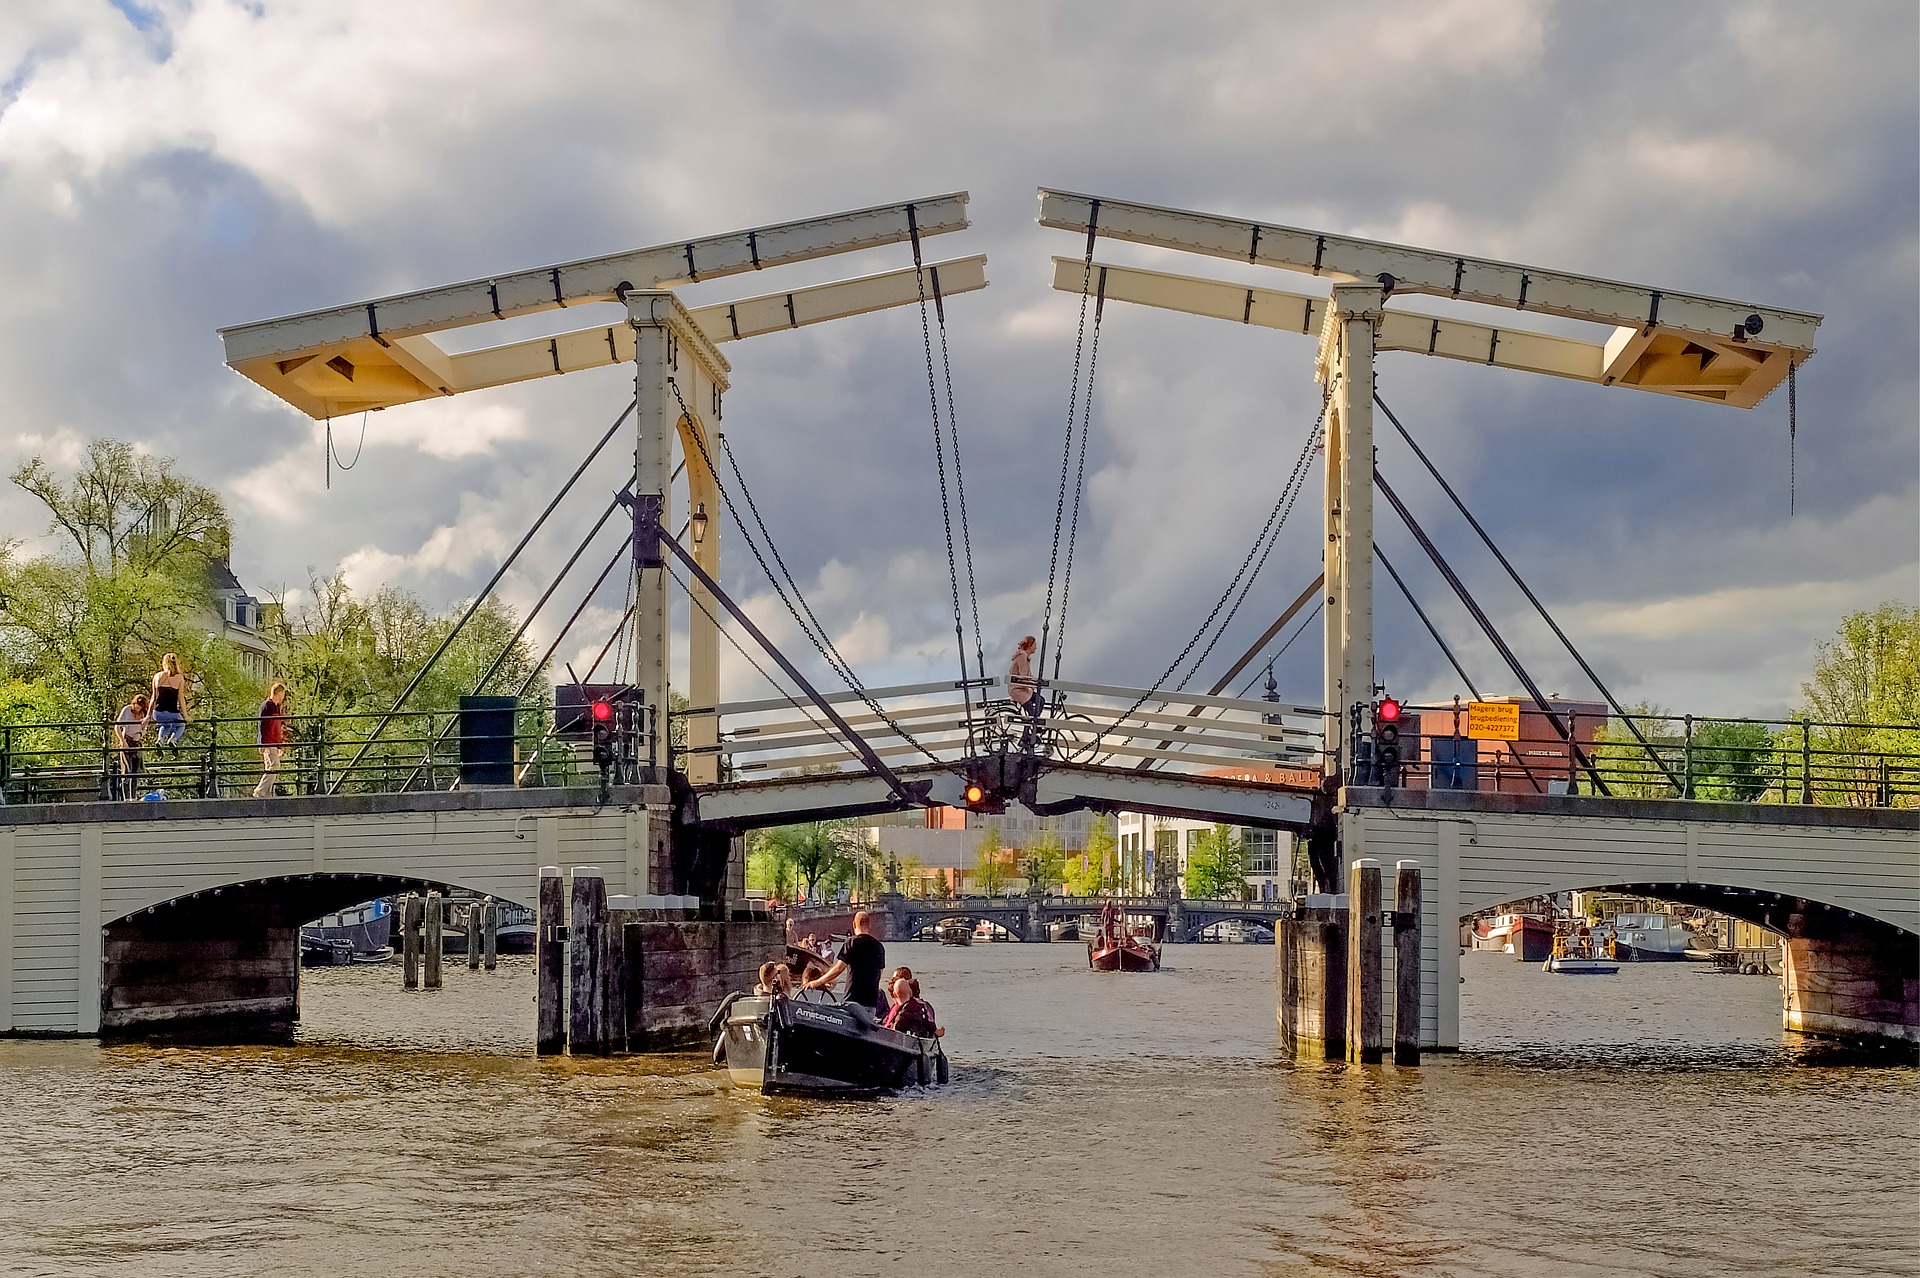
<point>1114,949</point>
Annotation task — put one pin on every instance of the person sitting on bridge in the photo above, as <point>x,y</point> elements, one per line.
<point>170,703</point>
<point>863,959</point>
<point>911,1014</point>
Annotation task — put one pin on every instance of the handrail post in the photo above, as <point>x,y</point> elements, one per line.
<point>1806,761</point>
<point>1886,783</point>
<point>1687,759</point>
<point>1573,773</point>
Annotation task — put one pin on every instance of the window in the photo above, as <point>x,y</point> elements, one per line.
<point>1263,851</point>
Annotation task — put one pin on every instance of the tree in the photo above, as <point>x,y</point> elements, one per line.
<point>1045,863</point>
<point>819,854</point>
<point>1729,760</point>
<point>135,541</point>
<point>992,863</point>
<point>1217,865</point>
<point>1864,702</point>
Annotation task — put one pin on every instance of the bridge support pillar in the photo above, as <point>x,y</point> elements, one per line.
<point>1311,951</point>
<point>1847,978</point>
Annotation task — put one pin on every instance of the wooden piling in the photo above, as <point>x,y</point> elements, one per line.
<point>586,963</point>
<point>1406,963</point>
<point>435,939</point>
<point>412,909</point>
<point>490,932</point>
<point>474,910</point>
<point>1286,949</point>
<point>550,952</point>
<point>1365,1039</point>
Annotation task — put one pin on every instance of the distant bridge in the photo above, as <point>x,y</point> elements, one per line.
<point>1027,918</point>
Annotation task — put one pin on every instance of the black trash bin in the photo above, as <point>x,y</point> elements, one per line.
<point>486,740</point>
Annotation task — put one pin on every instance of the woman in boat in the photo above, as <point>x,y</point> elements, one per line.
<point>911,1014</point>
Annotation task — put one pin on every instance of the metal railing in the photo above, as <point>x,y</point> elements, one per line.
<point>219,757</point>
<point>1081,723</point>
<point>1734,760</point>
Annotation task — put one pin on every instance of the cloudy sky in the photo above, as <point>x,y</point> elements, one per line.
<point>168,167</point>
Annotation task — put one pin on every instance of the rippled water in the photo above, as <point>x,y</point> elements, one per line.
<point>1654,1123</point>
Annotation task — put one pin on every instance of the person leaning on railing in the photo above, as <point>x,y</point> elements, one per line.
<point>129,733</point>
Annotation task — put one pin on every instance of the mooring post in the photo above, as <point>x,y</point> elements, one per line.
<point>474,910</point>
<point>586,962</point>
<point>411,911</point>
<point>1286,956</point>
<point>490,933</point>
<point>1365,1042</point>
<point>1406,963</point>
<point>550,956</point>
<point>436,936</point>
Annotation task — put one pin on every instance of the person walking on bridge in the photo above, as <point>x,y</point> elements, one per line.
<point>1024,690</point>
<point>129,731</point>
<point>272,739</point>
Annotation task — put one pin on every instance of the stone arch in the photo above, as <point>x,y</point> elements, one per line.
<point>229,956</point>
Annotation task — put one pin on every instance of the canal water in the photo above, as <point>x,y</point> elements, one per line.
<point>1657,1122</point>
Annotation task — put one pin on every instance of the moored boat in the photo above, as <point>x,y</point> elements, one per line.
<point>783,1046</point>
<point>1650,938</point>
<point>358,934</point>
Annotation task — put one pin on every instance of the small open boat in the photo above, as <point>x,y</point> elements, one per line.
<point>1115,949</point>
<point>785,1047</point>
<point>1577,952</point>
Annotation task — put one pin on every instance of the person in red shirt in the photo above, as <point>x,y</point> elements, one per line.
<point>911,1014</point>
<point>273,739</point>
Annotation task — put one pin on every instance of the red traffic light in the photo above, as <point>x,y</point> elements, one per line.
<point>602,711</point>
<point>1389,711</point>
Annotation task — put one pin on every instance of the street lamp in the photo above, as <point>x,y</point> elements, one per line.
<point>698,522</point>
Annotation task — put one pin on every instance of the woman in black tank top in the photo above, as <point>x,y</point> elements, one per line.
<point>169,703</point>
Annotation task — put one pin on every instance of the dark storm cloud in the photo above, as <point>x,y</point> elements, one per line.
<point>222,165</point>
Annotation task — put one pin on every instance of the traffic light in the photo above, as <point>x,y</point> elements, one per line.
<point>1386,742</point>
<point>602,721</point>
<point>978,796</point>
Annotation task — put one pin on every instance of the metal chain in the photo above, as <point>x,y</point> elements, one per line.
<point>940,465</point>
<point>1793,436</point>
<point>960,492</point>
<point>1066,452</point>
<point>1080,480</point>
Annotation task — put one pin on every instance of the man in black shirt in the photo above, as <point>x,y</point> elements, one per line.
<point>863,959</point>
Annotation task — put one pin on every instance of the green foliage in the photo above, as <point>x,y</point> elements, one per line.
<point>1732,760</point>
<point>992,863</point>
<point>128,581</point>
<point>1866,689</point>
<point>820,857</point>
<point>1045,864</point>
<point>1217,865</point>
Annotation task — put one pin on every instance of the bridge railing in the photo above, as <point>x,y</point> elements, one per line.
<point>1660,756</point>
<point>219,757</point>
<point>1080,723</point>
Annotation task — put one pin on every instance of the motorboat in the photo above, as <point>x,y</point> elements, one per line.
<point>956,932</point>
<point>781,1046</point>
<point>1650,938</point>
<point>1577,951</point>
<point>1116,949</point>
